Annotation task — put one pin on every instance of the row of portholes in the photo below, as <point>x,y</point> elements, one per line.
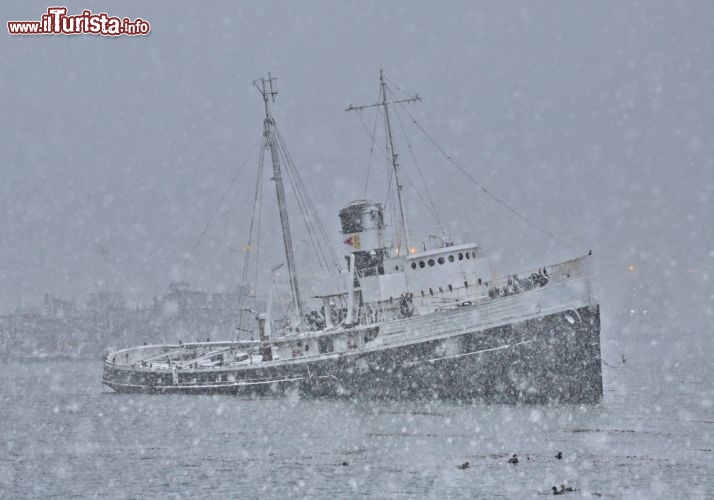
<point>441,260</point>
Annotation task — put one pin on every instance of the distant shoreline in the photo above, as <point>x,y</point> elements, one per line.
<point>47,357</point>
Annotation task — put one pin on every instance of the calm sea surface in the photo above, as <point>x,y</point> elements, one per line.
<point>63,435</point>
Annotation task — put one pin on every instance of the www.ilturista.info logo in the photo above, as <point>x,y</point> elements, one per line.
<point>57,22</point>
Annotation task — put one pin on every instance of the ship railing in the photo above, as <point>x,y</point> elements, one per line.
<point>449,296</point>
<point>406,306</point>
<point>387,310</point>
<point>470,295</point>
<point>537,278</point>
<point>205,358</point>
<point>157,352</point>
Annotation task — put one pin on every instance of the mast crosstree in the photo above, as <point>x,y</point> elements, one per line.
<point>394,157</point>
<point>269,92</point>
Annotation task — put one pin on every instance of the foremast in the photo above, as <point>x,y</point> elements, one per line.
<point>393,160</point>
<point>268,92</point>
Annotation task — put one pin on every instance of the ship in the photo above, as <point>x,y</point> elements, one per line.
<point>400,321</point>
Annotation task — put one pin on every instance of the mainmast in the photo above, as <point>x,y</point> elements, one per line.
<point>268,92</point>
<point>393,154</point>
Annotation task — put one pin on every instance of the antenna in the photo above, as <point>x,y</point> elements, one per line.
<point>394,156</point>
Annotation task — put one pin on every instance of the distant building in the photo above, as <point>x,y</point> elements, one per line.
<point>183,298</point>
<point>63,328</point>
<point>58,308</point>
<point>106,301</point>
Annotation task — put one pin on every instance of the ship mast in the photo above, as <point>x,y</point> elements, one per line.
<point>393,154</point>
<point>268,92</point>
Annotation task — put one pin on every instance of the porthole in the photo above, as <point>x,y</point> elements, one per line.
<point>421,264</point>
<point>396,268</point>
<point>440,260</point>
<point>466,284</point>
<point>441,290</point>
<point>413,265</point>
<point>451,258</point>
<point>431,291</point>
<point>451,288</point>
<point>422,293</point>
<point>307,347</point>
<point>461,256</point>
<point>473,254</point>
<point>468,255</point>
<point>431,262</point>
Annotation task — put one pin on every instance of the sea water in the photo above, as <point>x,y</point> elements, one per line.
<point>64,435</point>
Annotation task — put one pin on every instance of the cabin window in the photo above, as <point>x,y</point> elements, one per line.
<point>479,282</point>
<point>466,284</point>
<point>461,256</point>
<point>440,260</point>
<point>473,254</point>
<point>307,346</point>
<point>422,293</point>
<point>413,265</point>
<point>431,262</point>
<point>396,268</point>
<point>451,258</point>
<point>431,291</point>
<point>421,264</point>
<point>325,344</point>
<point>468,255</point>
<point>451,288</point>
<point>441,290</point>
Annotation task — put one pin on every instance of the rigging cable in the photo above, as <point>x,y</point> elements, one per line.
<point>321,259</point>
<point>248,248</point>
<point>303,207</point>
<point>300,186</point>
<point>258,235</point>
<point>428,204</point>
<point>387,201</point>
<point>371,148</point>
<point>389,206</point>
<point>372,135</point>
<point>482,188</point>
<point>213,215</point>
<point>431,207</point>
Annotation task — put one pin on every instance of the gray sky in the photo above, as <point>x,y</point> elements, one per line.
<point>593,118</point>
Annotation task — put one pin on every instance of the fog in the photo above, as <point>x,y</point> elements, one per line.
<point>591,119</point>
<point>128,163</point>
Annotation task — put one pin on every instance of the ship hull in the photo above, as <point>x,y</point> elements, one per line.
<point>552,358</point>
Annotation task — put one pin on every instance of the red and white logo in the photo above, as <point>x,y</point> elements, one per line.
<point>57,22</point>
